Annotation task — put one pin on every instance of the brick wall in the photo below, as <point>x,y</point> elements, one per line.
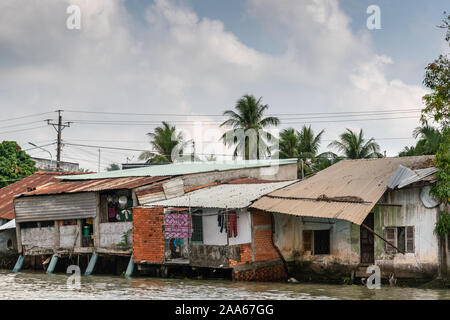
<point>246,255</point>
<point>262,237</point>
<point>148,237</point>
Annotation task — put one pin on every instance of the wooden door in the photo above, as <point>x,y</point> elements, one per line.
<point>367,241</point>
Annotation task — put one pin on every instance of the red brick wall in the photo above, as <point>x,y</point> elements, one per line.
<point>246,255</point>
<point>262,237</point>
<point>275,272</point>
<point>148,237</point>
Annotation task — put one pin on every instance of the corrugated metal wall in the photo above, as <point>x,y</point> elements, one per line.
<point>56,207</point>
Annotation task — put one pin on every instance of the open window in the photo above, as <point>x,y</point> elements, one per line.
<point>401,237</point>
<point>316,241</point>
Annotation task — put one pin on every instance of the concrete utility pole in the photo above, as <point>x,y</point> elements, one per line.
<point>59,127</point>
<point>99,151</point>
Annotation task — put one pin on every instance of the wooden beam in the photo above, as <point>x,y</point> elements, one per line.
<point>371,231</point>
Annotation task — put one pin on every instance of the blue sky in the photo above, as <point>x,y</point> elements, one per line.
<point>197,57</point>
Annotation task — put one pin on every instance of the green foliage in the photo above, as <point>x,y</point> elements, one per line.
<point>354,146</point>
<point>164,139</point>
<point>304,144</point>
<point>15,163</point>
<point>124,242</point>
<point>442,227</point>
<point>437,78</point>
<point>249,115</point>
<point>113,167</point>
<point>430,139</point>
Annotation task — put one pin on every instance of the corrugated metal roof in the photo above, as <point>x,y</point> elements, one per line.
<point>58,187</point>
<point>233,196</point>
<point>404,176</point>
<point>9,225</point>
<point>183,168</point>
<point>347,190</point>
<point>8,193</point>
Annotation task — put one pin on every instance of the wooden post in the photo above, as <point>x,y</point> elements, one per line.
<point>19,238</point>
<point>96,223</point>
<point>56,243</point>
<point>80,233</point>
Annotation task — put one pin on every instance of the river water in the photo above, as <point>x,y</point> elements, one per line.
<point>38,285</point>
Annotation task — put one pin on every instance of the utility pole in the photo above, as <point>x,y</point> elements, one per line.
<point>59,127</point>
<point>99,151</point>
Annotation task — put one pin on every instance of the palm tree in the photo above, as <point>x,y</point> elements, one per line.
<point>164,140</point>
<point>430,139</point>
<point>309,143</point>
<point>354,146</point>
<point>289,144</point>
<point>249,116</point>
<point>408,151</point>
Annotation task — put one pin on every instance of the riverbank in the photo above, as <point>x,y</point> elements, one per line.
<point>38,285</point>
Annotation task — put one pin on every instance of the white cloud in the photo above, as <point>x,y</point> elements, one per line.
<point>177,62</point>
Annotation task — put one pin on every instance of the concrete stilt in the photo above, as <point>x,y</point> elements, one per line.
<point>52,264</point>
<point>130,268</point>
<point>91,265</point>
<point>19,264</point>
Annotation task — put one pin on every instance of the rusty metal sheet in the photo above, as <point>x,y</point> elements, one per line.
<point>8,193</point>
<point>58,187</point>
<point>346,190</point>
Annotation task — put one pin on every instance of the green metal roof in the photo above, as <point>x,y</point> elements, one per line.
<point>181,168</point>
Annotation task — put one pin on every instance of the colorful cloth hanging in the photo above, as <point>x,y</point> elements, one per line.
<point>232,222</point>
<point>177,225</point>
<point>111,212</point>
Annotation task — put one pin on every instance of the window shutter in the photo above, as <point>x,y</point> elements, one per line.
<point>307,240</point>
<point>390,236</point>
<point>410,239</point>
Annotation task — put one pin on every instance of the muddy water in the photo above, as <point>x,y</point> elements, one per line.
<point>37,285</point>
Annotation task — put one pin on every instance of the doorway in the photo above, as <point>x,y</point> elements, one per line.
<point>367,241</point>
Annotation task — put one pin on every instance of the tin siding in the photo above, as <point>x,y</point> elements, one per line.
<point>56,207</point>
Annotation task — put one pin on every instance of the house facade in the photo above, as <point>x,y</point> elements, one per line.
<point>91,215</point>
<point>358,213</point>
<point>210,228</point>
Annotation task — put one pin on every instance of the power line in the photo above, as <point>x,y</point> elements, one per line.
<point>27,116</point>
<point>20,130</point>
<point>221,115</point>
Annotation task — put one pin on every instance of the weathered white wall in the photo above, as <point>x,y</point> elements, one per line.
<point>411,213</point>
<point>111,233</point>
<point>283,172</point>
<point>68,236</point>
<point>289,233</point>
<point>38,237</point>
<point>213,236</point>
<point>6,235</point>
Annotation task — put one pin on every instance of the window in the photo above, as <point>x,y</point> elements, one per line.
<point>197,229</point>
<point>316,241</point>
<point>401,237</point>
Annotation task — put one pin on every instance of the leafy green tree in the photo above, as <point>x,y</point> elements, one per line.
<point>437,108</point>
<point>408,151</point>
<point>354,146</point>
<point>15,163</point>
<point>437,78</point>
<point>113,167</point>
<point>304,145</point>
<point>430,139</point>
<point>164,139</point>
<point>249,115</point>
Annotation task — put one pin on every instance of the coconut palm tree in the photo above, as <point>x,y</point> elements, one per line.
<point>354,146</point>
<point>429,139</point>
<point>289,144</point>
<point>249,119</point>
<point>164,139</point>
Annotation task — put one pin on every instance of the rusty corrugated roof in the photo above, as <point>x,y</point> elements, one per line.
<point>347,190</point>
<point>58,187</point>
<point>8,193</point>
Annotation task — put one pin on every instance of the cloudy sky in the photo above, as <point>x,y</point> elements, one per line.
<point>134,63</point>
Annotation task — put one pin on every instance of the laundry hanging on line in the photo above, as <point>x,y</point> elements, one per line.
<point>177,225</point>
